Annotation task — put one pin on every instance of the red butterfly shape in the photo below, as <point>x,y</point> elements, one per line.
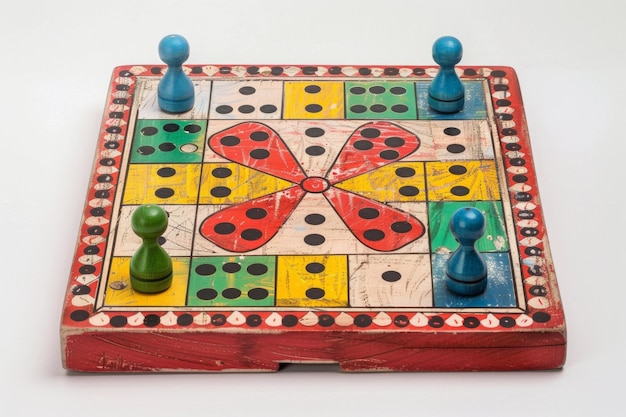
<point>249,225</point>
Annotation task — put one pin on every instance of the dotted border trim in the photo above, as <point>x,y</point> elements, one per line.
<point>542,296</point>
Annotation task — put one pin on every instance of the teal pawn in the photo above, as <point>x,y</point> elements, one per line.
<point>446,93</point>
<point>466,271</point>
<point>150,267</point>
<point>175,92</point>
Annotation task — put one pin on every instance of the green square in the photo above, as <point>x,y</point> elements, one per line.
<point>381,100</point>
<point>439,214</point>
<point>168,141</point>
<point>225,281</point>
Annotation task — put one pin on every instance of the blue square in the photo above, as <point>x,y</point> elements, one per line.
<point>475,107</point>
<point>500,290</point>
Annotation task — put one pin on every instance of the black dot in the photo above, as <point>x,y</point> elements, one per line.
<point>81,290</point>
<point>220,192</point>
<point>401,227</point>
<point>258,293</point>
<point>290,320</point>
<point>207,294</point>
<point>399,108</point>
<point>471,322</point>
<point>358,108</point>
<point>365,71</point>
<point>251,234</point>
<point>368,213</point>
<point>314,239</point>
<point>151,320</point>
<point>161,240</point>
<point>315,150</point>
<point>149,131</point>
<point>536,290</point>
<point>231,293</point>
<point>164,192</point>
<point>457,170</point>
<point>357,90</point>
<point>389,154</point>
<point>513,146</point>
<point>391,276</point>
<point>87,269</point>
<point>276,70</point>
<point>326,320</point>
<point>520,178</point>
<point>455,148</point>
<point>246,91</point>
<point>312,89</point>
<point>224,228</point>
<point>97,211</point>
<point>205,269</point>
<point>401,321</point>
<point>363,145</point>
<point>246,109</point>
<point>370,133</point>
<point>507,322</point>
<point>315,268</point>
<point>230,141</point>
<point>95,230</point>
<point>436,322</point>
<point>253,70</point>
<point>459,190</point>
<point>225,70</point>
<point>409,191</point>
<point>257,269</point>
<point>166,172</point>
<point>91,250</point>
<point>145,150</point>
<point>218,319</point>
<point>224,109</point>
<point>377,89</point>
<point>119,321</point>
<point>394,142</point>
<point>405,172</point>
<point>192,128</point>
<point>503,103</point>
<point>498,73</point>
<point>397,90</point>
<point>314,219</point>
<point>518,162</point>
<point>315,293</point>
<point>362,320</point>
<point>374,235</point>
<point>469,71</point>
<point>259,136</point>
<point>79,315</point>
<point>268,109</point>
<point>313,108</point>
<point>452,131</point>
<point>184,319</point>
<point>107,162</point>
<point>378,108</point>
<point>256,213</point>
<point>501,87</point>
<point>171,127</point>
<point>105,178</point>
<point>259,153</point>
<point>314,132</point>
<point>541,317</point>
<point>222,172</point>
<point>231,267</point>
<point>112,144</point>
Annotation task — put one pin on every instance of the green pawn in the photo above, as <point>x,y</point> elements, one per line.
<point>150,266</point>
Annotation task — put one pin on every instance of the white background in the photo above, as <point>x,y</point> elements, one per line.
<point>57,58</point>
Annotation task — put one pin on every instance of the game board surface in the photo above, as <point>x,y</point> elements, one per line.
<point>308,222</point>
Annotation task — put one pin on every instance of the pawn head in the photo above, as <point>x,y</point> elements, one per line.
<point>149,221</point>
<point>174,50</point>
<point>447,51</point>
<point>467,225</point>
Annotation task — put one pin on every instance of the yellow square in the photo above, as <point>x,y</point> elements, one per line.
<point>312,281</point>
<point>314,100</point>
<point>462,180</point>
<point>119,292</point>
<point>162,184</point>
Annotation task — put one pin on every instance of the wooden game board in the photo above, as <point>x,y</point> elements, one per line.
<point>308,223</point>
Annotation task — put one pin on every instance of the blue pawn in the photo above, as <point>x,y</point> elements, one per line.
<point>446,93</point>
<point>466,271</point>
<point>176,91</point>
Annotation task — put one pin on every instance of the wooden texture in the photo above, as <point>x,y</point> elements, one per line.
<point>308,211</point>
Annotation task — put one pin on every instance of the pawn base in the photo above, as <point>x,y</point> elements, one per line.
<point>441,106</point>
<point>151,286</point>
<point>466,288</point>
<point>176,106</point>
